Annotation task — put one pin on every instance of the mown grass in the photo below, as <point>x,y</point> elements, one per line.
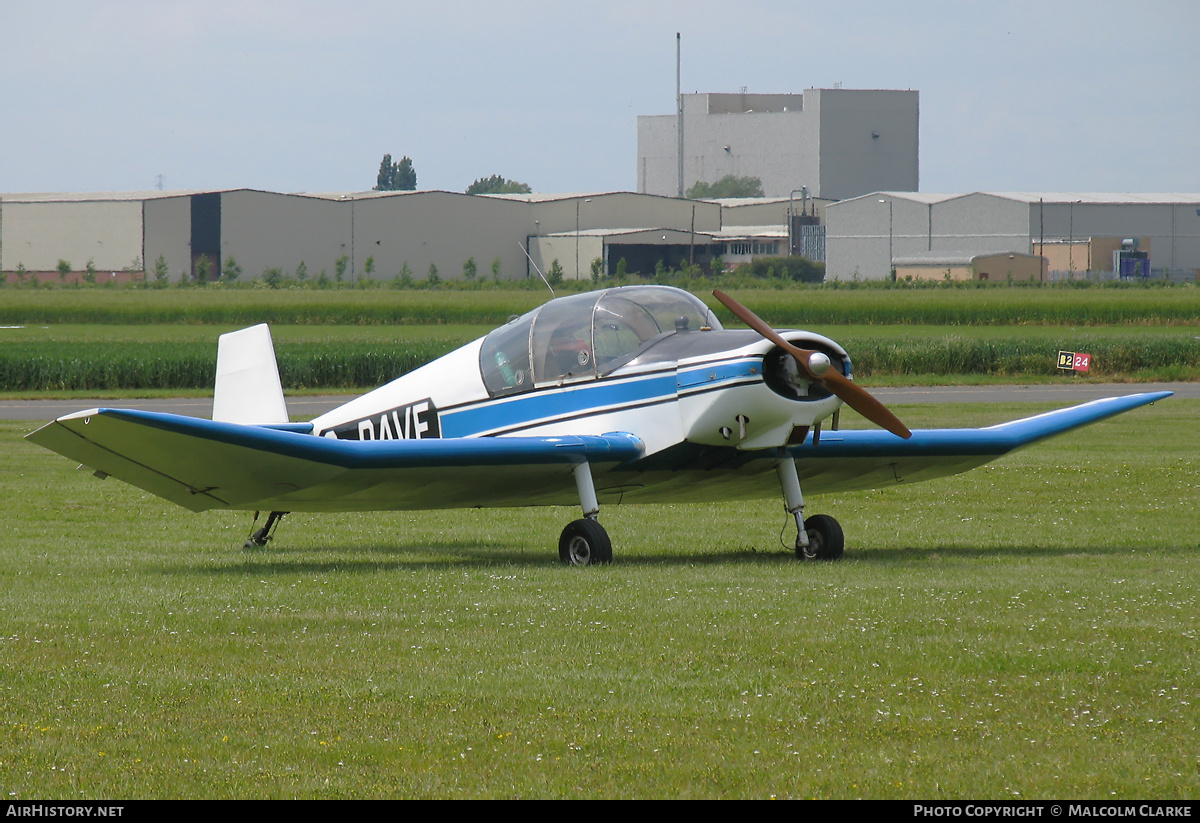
<point>1026,630</point>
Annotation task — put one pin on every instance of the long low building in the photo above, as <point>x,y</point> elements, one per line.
<point>382,235</point>
<point>1077,233</point>
<point>376,234</point>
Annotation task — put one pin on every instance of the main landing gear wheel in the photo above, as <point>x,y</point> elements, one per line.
<point>825,539</point>
<point>584,543</point>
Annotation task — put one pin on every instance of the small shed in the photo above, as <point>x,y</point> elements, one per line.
<point>1008,265</point>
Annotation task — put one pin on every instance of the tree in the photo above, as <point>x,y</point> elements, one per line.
<point>434,279</point>
<point>727,186</point>
<point>470,269</point>
<point>89,271</point>
<point>396,176</point>
<point>496,270</point>
<point>203,270</point>
<point>64,268</point>
<point>403,279</point>
<point>339,267</point>
<point>554,275</point>
<point>369,266</point>
<point>161,271</point>
<point>231,271</point>
<point>497,184</point>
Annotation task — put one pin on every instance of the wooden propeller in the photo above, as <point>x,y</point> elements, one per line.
<point>815,366</point>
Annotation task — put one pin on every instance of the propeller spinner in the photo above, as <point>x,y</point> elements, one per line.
<point>815,366</point>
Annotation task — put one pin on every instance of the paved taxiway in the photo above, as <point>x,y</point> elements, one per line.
<point>303,408</point>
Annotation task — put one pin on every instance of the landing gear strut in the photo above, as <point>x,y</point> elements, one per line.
<point>584,542</point>
<point>259,538</point>
<point>818,537</point>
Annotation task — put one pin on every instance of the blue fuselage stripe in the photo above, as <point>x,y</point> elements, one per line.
<point>554,403</point>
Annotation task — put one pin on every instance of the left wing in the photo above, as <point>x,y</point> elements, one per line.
<point>200,464</point>
<point>845,460</point>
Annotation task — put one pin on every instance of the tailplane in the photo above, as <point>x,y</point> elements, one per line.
<point>248,390</point>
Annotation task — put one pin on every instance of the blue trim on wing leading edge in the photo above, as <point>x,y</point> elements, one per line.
<point>994,440</point>
<point>617,447</point>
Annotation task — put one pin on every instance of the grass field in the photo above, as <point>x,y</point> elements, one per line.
<point>1028,630</point>
<point>841,303</point>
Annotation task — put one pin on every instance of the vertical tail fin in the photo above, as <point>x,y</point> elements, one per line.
<point>248,390</point>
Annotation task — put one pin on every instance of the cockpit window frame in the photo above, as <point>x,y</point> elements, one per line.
<point>561,346</point>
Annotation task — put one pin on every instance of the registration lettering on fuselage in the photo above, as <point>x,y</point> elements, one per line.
<point>416,421</point>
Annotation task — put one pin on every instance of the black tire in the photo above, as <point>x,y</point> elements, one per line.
<point>584,543</point>
<point>825,539</point>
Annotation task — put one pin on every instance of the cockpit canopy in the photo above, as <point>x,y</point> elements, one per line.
<point>587,335</point>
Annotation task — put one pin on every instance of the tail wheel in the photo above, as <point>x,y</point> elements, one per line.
<point>825,539</point>
<point>584,543</point>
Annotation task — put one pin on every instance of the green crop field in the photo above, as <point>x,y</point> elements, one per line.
<point>1028,630</point>
<point>101,357</point>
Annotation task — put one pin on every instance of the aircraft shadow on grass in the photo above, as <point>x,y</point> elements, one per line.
<point>447,556</point>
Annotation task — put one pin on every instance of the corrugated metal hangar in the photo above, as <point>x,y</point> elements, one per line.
<point>865,237</point>
<point>1105,234</point>
<point>125,232</point>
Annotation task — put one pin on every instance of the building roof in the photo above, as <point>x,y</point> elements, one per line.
<point>89,197</point>
<point>953,258</point>
<point>728,234</point>
<point>541,197</point>
<point>1056,197</point>
<point>1092,198</point>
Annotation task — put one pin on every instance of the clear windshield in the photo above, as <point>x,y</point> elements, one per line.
<point>628,319</point>
<point>585,335</point>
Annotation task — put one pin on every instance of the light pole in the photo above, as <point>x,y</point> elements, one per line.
<point>577,202</point>
<point>891,270</point>
<point>1071,239</point>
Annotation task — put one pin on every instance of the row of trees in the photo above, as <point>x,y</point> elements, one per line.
<point>727,186</point>
<point>796,269</point>
<point>399,176</point>
<point>402,176</point>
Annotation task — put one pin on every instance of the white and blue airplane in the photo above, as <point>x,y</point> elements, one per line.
<point>624,395</point>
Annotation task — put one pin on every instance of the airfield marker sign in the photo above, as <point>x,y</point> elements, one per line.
<point>1074,361</point>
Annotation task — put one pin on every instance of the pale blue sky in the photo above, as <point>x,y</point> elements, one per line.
<point>307,96</point>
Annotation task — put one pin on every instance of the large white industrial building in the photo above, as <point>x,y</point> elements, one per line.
<point>838,143</point>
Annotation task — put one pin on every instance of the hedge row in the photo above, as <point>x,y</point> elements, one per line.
<point>336,366</point>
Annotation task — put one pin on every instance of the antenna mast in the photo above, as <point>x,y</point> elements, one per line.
<point>679,115</point>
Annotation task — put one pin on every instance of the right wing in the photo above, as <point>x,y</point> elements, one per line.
<point>201,464</point>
